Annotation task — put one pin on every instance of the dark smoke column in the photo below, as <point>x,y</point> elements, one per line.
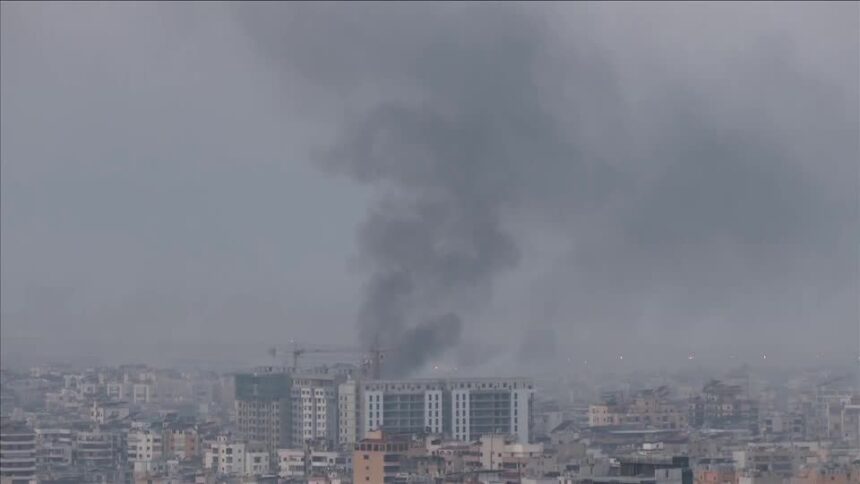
<point>434,241</point>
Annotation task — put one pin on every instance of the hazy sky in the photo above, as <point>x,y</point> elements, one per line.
<point>570,180</point>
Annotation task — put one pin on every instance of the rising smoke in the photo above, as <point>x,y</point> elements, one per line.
<point>435,240</point>
<point>689,204</point>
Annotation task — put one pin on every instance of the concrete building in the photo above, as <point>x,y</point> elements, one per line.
<point>95,451</point>
<point>724,406</point>
<point>181,442</point>
<point>314,410</point>
<point>321,463</point>
<point>103,412</point>
<point>348,413</point>
<point>649,470</point>
<point>833,474</point>
<point>462,408</point>
<point>226,457</point>
<point>263,408</point>
<point>291,463</point>
<point>142,393</point>
<point>647,409</point>
<point>849,423</point>
<point>17,452</point>
<point>376,459</point>
<point>256,460</point>
<point>144,450</point>
<point>53,448</point>
<point>770,459</point>
<point>115,390</point>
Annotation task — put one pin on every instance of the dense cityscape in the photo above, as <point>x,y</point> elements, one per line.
<point>341,423</point>
<point>325,242</point>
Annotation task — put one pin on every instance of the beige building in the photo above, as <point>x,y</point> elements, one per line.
<point>647,410</point>
<point>376,459</point>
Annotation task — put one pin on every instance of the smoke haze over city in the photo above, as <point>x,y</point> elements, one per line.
<point>564,182</point>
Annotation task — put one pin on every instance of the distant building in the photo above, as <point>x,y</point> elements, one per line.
<point>144,450</point>
<point>348,413</point>
<point>314,410</point>
<point>17,452</point>
<point>53,449</point>
<point>96,451</point>
<point>287,410</point>
<point>226,457</point>
<point>463,408</point>
<point>263,408</point>
<point>649,470</point>
<point>724,406</point>
<point>103,412</point>
<point>181,441</point>
<point>291,463</point>
<point>648,409</point>
<point>256,460</point>
<point>377,458</point>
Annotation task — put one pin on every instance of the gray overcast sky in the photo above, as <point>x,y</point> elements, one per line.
<point>195,178</point>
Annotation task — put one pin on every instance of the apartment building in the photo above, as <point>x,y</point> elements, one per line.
<point>226,457</point>
<point>103,412</point>
<point>463,408</point>
<point>144,450</point>
<point>348,413</point>
<point>53,448</point>
<point>291,463</point>
<point>263,408</point>
<point>181,441</point>
<point>314,415</point>
<point>377,457</point>
<point>17,452</point>
<point>647,409</point>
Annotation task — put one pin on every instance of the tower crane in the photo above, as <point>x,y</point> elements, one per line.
<point>371,362</point>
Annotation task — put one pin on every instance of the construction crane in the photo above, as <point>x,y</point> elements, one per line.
<point>371,362</point>
<point>297,353</point>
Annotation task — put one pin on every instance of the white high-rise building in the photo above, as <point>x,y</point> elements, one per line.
<point>465,408</point>
<point>314,409</point>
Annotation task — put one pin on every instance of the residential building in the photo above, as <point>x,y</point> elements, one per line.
<point>291,463</point>
<point>226,457</point>
<point>647,409</point>
<point>256,460</point>
<point>462,408</point>
<point>95,451</point>
<point>17,452</point>
<point>103,412</point>
<point>314,410</point>
<point>181,440</point>
<point>53,448</point>
<point>348,413</point>
<point>263,408</point>
<point>144,450</point>
<point>377,458</point>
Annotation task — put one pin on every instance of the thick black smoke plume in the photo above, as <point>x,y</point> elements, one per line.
<point>687,185</point>
<point>435,241</point>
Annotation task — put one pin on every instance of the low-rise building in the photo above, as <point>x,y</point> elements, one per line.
<point>291,463</point>
<point>377,458</point>
<point>103,412</point>
<point>144,450</point>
